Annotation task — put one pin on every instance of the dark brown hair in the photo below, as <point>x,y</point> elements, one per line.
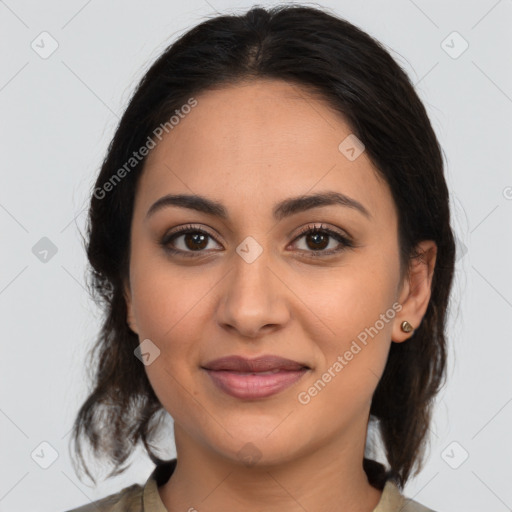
<point>358,78</point>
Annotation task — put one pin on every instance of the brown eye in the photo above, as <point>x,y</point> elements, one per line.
<point>194,241</point>
<point>317,239</point>
<point>186,241</point>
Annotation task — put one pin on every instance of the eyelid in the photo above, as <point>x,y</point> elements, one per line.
<point>322,227</point>
<point>183,230</point>
<point>341,236</point>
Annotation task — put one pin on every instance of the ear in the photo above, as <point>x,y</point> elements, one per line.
<point>416,290</point>
<point>130,317</point>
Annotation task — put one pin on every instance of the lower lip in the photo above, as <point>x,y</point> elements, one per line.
<point>252,385</point>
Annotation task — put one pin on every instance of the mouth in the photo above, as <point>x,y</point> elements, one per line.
<point>266,363</point>
<point>257,378</point>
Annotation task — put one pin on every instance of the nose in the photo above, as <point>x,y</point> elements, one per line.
<point>253,298</point>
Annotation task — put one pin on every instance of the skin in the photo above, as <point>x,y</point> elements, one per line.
<point>248,147</point>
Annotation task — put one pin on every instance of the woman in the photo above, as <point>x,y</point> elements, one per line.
<point>270,239</point>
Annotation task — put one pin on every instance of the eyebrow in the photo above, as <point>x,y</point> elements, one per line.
<point>283,209</point>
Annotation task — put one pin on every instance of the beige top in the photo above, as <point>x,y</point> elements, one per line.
<point>146,498</point>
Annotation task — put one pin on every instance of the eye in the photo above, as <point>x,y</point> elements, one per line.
<point>317,239</point>
<point>190,241</point>
<point>186,241</point>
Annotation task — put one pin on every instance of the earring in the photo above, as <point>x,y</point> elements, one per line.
<point>406,326</point>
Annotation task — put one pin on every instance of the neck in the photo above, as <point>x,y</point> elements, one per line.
<point>316,481</point>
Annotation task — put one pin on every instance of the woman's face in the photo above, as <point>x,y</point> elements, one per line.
<point>249,283</point>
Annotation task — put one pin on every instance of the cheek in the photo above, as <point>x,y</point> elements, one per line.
<point>353,299</point>
<point>165,297</point>
<point>172,311</point>
<point>171,317</point>
<point>355,306</point>
<point>352,355</point>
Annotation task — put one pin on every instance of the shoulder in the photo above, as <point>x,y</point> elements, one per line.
<point>128,499</point>
<point>392,500</point>
<point>136,497</point>
<point>414,506</point>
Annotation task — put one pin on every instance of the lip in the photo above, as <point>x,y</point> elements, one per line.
<point>246,378</point>
<point>259,364</point>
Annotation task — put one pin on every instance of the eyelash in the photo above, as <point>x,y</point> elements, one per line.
<point>307,230</point>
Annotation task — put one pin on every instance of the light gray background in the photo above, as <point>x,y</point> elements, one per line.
<point>58,115</point>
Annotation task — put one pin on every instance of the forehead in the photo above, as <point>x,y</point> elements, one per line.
<point>260,142</point>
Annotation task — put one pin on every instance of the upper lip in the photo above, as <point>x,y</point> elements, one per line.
<point>259,364</point>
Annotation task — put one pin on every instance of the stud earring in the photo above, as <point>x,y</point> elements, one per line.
<point>406,326</point>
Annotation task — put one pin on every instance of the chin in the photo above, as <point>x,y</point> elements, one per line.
<point>250,448</point>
